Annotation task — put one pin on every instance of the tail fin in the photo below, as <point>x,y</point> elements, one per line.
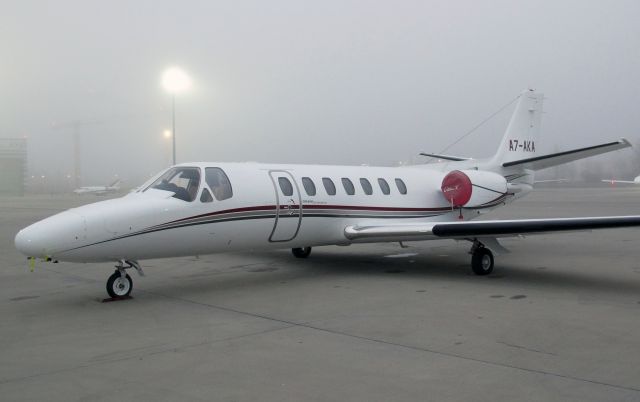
<point>520,139</point>
<point>518,146</point>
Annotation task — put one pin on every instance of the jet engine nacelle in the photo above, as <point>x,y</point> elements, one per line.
<point>473,188</point>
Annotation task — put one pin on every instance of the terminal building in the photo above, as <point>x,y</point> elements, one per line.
<point>13,166</point>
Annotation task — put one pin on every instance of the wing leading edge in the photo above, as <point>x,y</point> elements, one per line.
<point>497,228</point>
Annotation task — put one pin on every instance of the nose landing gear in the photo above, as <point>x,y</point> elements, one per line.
<point>120,284</point>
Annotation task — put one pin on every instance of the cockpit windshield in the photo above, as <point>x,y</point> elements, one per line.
<point>182,181</point>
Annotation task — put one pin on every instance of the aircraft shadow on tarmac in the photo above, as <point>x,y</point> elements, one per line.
<point>277,268</point>
<point>280,267</point>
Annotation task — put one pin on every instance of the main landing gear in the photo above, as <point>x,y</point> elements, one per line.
<point>481,259</point>
<point>301,252</point>
<point>119,284</point>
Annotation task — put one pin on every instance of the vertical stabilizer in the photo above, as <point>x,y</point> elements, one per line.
<point>520,141</point>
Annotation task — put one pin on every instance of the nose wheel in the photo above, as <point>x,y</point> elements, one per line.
<point>119,284</point>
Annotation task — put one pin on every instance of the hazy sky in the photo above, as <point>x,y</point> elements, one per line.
<point>345,82</point>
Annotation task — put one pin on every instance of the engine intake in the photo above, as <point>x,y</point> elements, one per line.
<point>473,188</point>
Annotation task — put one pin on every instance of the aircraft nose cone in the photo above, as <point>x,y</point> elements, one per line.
<point>23,242</point>
<point>51,235</point>
<point>31,242</point>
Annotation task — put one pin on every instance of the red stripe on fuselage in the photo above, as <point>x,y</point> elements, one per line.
<point>315,206</point>
<point>368,208</point>
<point>228,211</point>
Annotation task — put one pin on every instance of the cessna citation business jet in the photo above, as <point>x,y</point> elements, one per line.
<point>201,208</point>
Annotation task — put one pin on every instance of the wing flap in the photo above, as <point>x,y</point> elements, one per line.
<point>497,228</point>
<point>389,231</point>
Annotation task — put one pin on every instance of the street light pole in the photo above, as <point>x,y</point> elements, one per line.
<point>173,119</point>
<point>174,80</point>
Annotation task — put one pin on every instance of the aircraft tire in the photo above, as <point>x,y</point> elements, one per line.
<point>301,252</point>
<point>482,261</point>
<point>119,287</point>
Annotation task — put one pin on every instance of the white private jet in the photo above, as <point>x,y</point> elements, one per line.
<point>99,190</point>
<point>203,208</point>
<point>614,181</point>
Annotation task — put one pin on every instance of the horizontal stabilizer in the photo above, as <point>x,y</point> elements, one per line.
<point>446,157</point>
<point>496,228</point>
<point>546,161</point>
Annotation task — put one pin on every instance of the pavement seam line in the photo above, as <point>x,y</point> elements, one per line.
<point>381,341</point>
<point>410,347</point>
<point>152,353</point>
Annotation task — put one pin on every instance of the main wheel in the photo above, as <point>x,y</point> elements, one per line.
<point>301,252</point>
<point>117,286</point>
<point>482,261</point>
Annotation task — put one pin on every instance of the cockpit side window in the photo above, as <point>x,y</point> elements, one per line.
<point>218,183</point>
<point>182,181</point>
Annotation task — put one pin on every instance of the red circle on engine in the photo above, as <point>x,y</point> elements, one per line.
<point>456,188</point>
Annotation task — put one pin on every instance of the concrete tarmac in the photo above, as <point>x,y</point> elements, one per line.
<point>559,319</point>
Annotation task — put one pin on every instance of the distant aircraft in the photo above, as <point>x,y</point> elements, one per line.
<point>614,181</point>
<point>100,190</point>
<point>202,208</point>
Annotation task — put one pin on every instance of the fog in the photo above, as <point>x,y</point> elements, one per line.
<point>331,82</point>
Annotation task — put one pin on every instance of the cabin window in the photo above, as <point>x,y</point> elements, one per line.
<point>285,186</point>
<point>348,186</point>
<point>384,186</point>
<point>401,186</point>
<point>308,185</point>
<point>183,182</point>
<point>366,186</point>
<point>329,187</point>
<point>206,196</point>
<point>218,183</point>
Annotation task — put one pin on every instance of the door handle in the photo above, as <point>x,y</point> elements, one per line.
<point>290,206</point>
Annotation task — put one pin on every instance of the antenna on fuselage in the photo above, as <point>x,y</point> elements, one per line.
<point>468,133</point>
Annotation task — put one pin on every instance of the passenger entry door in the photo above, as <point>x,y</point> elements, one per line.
<point>288,206</point>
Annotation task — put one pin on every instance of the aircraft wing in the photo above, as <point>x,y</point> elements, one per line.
<point>545,161</point>
<point>494,228</point>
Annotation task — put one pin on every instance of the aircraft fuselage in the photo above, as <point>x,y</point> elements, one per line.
<point>261,213</point>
